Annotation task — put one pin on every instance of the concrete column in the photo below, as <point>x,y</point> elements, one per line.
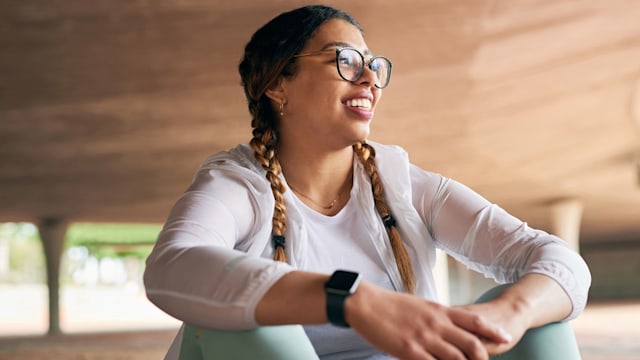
<point>52,234</point>
<point>566,216</point>
<point>441,277</point>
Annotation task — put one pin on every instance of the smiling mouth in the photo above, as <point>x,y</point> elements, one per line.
<point>359,103</point>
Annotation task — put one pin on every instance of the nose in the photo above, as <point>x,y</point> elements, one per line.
<point>368,77</point>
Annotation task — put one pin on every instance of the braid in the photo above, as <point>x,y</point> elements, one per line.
<point>366,154</point>
<point>263,144</point>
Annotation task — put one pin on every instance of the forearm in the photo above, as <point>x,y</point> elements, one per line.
<point>537,299</point>
<point>300,298</point>
<point>296,298</point>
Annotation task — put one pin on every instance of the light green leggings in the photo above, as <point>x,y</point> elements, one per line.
<point>550,342</point>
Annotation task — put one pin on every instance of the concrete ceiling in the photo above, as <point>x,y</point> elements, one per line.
<point>108,107</point>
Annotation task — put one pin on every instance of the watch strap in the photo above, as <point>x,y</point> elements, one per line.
<point>335,309</point>
<point>340,285</point>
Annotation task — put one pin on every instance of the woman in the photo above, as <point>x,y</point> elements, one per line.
<point>312,194</point>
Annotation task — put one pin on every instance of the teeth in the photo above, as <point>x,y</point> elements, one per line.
<point>361,103</point>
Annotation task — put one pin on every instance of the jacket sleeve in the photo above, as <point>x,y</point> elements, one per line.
<point>194,273</point>
<point>489,240</point>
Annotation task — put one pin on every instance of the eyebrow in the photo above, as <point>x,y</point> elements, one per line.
<point>341,44</point>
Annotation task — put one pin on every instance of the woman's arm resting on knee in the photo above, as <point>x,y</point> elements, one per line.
<point>540,297</point>
<point>399,324</point>
<point>533,301</point>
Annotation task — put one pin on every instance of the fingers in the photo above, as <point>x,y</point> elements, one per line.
<point>414,351</point>
<point>478,325</point>
<point>443,338</point>
<point>466,344</point>
<point>461,346</point>
<point>454,349</point>
<point>436,347</point>
<point>415,329</point>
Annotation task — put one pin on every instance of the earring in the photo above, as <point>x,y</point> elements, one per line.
<point>282,109</point>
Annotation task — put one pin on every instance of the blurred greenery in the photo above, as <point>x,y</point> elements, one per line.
<point>21,249</point>
<point>24,253</point>
<point>85,234</point>
<point>114,240</point>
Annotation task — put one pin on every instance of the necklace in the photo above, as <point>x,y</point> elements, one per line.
<point>326,207</point>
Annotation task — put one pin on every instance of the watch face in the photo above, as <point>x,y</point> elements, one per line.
<point>343,281</point>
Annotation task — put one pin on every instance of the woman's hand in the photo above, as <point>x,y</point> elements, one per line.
<point>513,318</point>
<point>533,301</point>
<point>411,328</point>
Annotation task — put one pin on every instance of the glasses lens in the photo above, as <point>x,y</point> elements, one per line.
<point>350,64</point>
<point>382,67</point>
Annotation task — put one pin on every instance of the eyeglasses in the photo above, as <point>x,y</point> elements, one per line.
<point>350,63</point>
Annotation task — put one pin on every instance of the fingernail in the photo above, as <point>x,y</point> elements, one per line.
<point>505,335</point>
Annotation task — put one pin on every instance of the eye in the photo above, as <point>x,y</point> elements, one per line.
<point>375,65</point>
<point>346,59</point>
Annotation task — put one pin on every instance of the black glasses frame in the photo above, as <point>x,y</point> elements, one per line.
<point>364,63</point>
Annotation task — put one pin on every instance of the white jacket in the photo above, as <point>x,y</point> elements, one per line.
<point>212,262</point>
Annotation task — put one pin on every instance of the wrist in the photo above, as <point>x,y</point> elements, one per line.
<point>340,286</point>
<point>358,303</point>
<point>516,307</point>
<point>296,298</point>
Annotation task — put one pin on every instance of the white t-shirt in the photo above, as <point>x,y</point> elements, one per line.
<point>341,242</point>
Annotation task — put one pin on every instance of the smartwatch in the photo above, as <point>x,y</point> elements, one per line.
<point>340,285</point>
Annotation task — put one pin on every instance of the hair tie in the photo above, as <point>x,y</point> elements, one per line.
<point>388,221</point>
<point>278,241</point>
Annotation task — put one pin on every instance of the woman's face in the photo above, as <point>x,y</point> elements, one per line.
<point>322,107</point>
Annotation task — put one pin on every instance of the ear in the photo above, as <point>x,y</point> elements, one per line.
<point>277,92</point>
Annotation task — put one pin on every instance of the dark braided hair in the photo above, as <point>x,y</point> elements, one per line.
<point>269,55</point>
